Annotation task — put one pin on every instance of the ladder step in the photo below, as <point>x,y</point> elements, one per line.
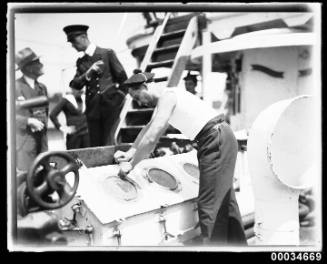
<point>160,79</point>
<point>129,134</point>
<point>171,38</point>
<point>168,48</point>
<point>165,53</point>
<point>182,18</point>
<point>163,56</point>
<point>173,34</point>
<point>139,127</point>
<point>140,110</point>
<point>138,117</point>
<point>166,63</point>
<point>179,22</point>
<point>136,106</point>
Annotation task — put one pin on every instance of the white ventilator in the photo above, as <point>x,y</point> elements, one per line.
<point>282,162</point>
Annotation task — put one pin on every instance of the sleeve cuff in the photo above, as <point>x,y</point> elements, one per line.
<point>87,78</point>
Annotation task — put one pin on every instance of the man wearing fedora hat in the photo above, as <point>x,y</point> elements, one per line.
<point>31,123</point>
<point>102,74</point>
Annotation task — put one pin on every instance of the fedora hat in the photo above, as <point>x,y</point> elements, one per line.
<point>25,56</point>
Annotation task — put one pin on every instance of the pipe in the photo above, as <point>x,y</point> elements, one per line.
<point>33,102</point>
<point>281,158</point>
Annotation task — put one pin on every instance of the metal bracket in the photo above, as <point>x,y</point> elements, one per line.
<point>117,234</point>
<point>67,225</point>
<point>162,221</point>
<point>78,161</point>
<point>195,207</point>
<point>89,231</point>
<point>147,177</point>
<point>76,209</point>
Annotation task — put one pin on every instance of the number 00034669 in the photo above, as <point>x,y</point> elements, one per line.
<point>296,256</point>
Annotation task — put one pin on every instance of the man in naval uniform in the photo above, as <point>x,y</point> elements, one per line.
<point>31,123</point>
<point>102,74</point>
<point>219,215</point>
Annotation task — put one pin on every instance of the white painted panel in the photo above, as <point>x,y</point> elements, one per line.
<point>258,89</point>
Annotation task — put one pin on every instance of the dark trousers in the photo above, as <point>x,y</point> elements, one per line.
<point>102,128</point>
<point>219,215</point>
<point>77,141</point>
<point>32,145</point>
<point>102,131</point>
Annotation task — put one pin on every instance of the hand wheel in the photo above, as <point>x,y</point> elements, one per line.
<point>44,179</point>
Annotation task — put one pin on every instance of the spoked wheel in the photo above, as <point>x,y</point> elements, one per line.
<point>47,179</point>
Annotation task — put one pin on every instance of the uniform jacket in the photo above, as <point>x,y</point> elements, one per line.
<point>74,116</point>
<point>102,93</point>
<point>25,92</point>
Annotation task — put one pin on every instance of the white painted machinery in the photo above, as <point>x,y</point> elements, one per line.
<point>155,206</point>
<point>283,160</point>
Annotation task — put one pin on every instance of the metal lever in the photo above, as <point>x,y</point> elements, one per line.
<point>162,220</point>
<point>147,176</point>
<point>89,231</point>
<point>118,235</point>
<point>71,224</point>
<point>79,162</point>
<point>76,209</point>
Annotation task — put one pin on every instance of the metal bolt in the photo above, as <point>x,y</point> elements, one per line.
<point>76,208</point>
<point>89,229</point>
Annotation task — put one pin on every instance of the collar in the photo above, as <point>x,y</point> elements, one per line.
<point>90,49</point>
<point>71,98</point>
<point>30,81</point>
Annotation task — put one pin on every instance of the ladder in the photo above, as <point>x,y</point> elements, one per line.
<point>170,48</point>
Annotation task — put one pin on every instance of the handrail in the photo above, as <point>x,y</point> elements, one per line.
<point>123,113</point>
<point>157,34</point>
<point>184,52</point>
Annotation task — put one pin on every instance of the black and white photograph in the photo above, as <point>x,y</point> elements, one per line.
<point>165,127</point>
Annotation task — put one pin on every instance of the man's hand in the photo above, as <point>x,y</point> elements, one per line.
<point>67,129</point>
<point>35,124</point>
<point>96,67</point>
<point>122,156</point>
<point>125,168</point>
